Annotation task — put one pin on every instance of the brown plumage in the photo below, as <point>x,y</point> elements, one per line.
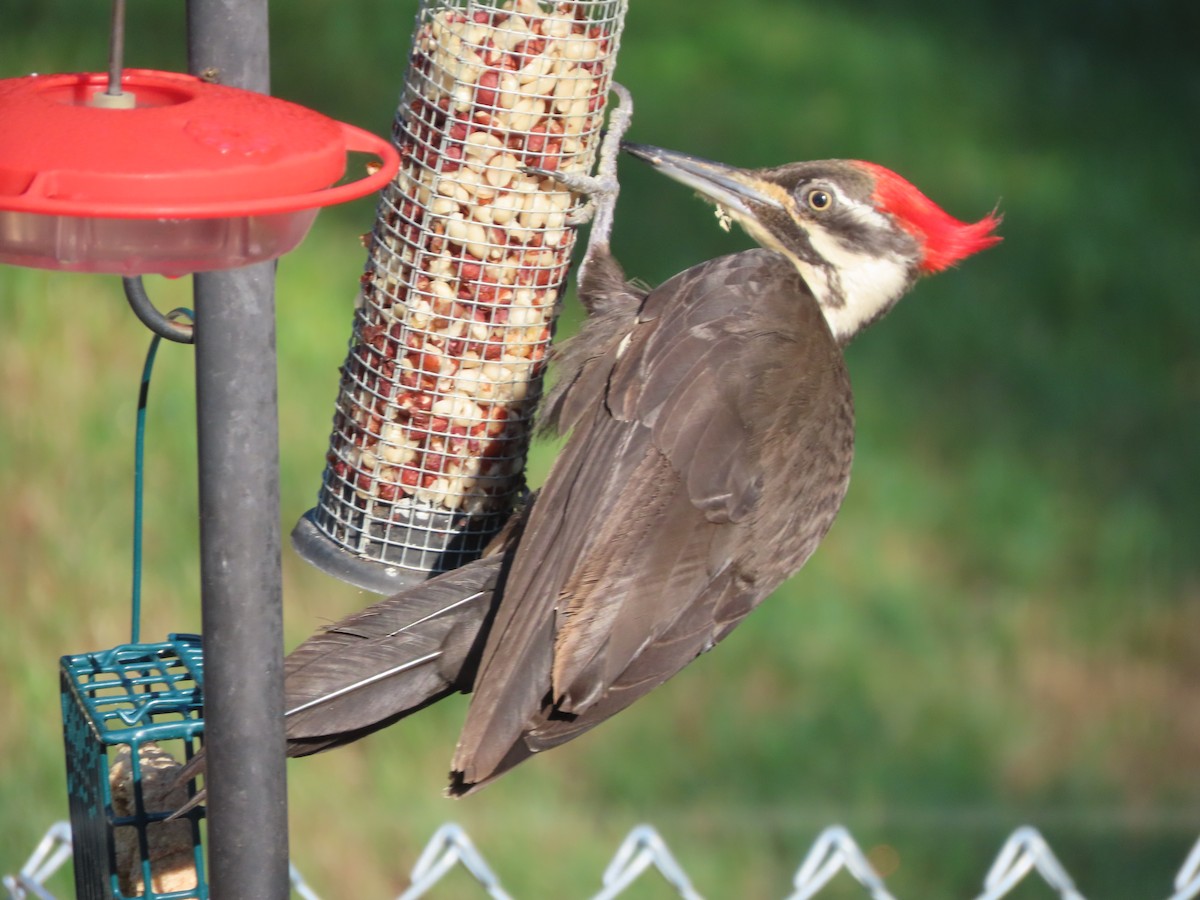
<point>649,541</point>
<point>718,391</point>
<point>711,432</point>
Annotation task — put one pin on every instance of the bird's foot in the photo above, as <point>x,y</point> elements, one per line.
<point>591,186</point>
<point>602,188</point>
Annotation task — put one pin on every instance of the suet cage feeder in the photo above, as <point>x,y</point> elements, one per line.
<point>465,267</point>
<point>132,716</point>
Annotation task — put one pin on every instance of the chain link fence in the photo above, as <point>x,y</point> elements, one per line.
<point>1024,855</point>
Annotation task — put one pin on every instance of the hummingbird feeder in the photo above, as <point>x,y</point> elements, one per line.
<point>175,175</point>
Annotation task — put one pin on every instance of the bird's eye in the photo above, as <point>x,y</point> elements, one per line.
<point>819,200</point>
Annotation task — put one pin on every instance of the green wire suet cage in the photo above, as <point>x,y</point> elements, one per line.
<point>132,715</point>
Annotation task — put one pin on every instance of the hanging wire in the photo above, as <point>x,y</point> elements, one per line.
<point>139,455</point>
<point>116,48</point>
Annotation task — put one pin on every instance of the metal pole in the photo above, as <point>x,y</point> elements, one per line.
<point>241,580</point>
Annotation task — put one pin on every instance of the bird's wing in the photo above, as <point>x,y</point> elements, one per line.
<point>629,565</point>
<point>379,665</point>
<point>388,660</point>
<point>396,656</point>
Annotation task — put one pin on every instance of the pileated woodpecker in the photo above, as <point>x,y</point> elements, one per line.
<point>711,433</point>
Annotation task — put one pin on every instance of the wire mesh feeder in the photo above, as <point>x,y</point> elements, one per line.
<point>466,263</point>
<point>131,716</point>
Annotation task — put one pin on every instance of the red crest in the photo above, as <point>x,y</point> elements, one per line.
<point>944,239</point>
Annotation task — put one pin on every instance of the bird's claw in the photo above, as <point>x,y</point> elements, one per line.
<point>598,189</point>
<point>583,215</point>
<point>602,188</point>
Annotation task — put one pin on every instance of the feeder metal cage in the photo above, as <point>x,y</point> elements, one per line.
<point>132,716</point>
<point>466,264</point>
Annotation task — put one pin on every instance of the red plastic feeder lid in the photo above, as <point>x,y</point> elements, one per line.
<point>187,149</point>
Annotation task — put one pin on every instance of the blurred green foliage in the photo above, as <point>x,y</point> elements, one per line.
<point>1003,626</point>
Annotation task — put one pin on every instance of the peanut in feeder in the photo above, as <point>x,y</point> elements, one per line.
<point>466,263</point>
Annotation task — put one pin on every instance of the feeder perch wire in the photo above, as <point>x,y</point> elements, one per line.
<point>466,264</point>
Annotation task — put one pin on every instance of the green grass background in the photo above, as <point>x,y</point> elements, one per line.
<point>1003,626</point>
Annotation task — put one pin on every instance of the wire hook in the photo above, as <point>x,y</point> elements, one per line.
<point>148,314</point>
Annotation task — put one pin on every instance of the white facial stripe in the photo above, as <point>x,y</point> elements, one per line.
<point>865,213</point>
<point>869,284</point>
<point>860,286</point>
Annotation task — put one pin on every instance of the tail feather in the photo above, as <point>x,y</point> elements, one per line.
<point>390,659</point>
<point>383,663</point>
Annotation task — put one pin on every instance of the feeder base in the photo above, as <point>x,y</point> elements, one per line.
<point>319,550</point>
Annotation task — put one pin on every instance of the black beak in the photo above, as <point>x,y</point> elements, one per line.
<point>737,190</point>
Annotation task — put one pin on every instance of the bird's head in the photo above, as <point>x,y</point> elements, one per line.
<point>859,233</point>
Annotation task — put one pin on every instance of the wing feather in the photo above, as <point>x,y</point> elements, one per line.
<point>397,655</point>
<point>651,537</point>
